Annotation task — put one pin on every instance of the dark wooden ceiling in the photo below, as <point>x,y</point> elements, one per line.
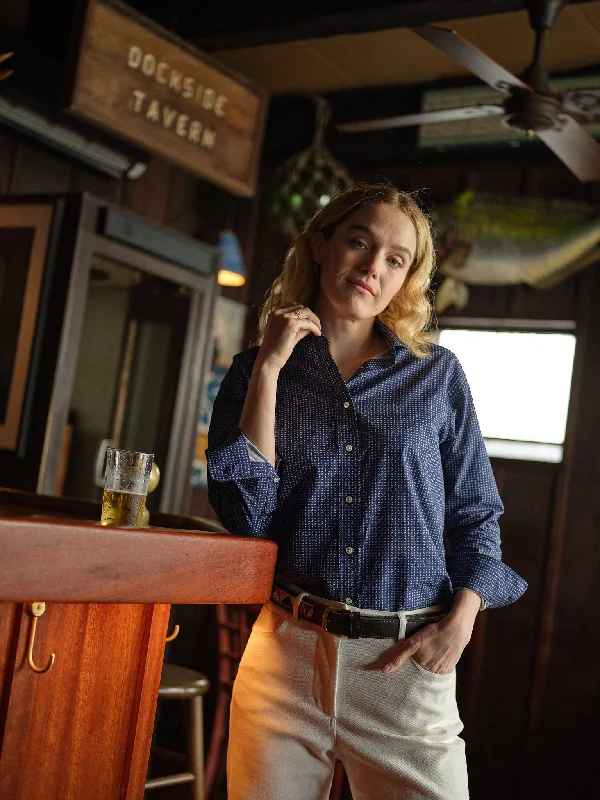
<point>230,24</point>
<point>331,45</point>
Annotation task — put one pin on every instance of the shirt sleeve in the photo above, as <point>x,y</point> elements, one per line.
<point>242,488</point>
<point>473,506</point>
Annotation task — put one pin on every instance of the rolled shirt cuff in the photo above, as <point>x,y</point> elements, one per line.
<point>238,459</point>
<point>254,453</point>
<point>496,584</point>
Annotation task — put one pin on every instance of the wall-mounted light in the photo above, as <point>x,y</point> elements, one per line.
<point>231,270</point>
<point>58,131</point>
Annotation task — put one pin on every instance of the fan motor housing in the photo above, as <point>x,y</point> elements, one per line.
<point>532,111</point>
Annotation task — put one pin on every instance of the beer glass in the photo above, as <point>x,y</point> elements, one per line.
<point>125,487</point>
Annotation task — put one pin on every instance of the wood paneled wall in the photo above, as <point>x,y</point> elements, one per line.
<point>164,194</point>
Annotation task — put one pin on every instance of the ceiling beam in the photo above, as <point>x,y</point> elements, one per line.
<point>231,24</point>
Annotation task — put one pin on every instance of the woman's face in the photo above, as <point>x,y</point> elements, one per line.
<point>365,262</point>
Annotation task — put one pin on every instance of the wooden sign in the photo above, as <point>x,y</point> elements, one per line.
<point>141,82</point>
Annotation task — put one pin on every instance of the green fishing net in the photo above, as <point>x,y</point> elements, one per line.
<point>310,179</point>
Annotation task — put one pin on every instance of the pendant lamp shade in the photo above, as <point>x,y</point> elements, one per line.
<point>231,271</point>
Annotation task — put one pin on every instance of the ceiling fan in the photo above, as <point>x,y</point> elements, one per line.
<point>529,106</point>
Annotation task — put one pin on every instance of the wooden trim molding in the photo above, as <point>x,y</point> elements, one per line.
<point>146,691</point>
<point>558,532</point>
<point>86,563</point>
<point>37,218</point>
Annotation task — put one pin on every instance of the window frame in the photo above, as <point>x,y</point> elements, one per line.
<point>518,325</point>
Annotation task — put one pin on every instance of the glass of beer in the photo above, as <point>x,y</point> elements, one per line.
<point>125,487</point>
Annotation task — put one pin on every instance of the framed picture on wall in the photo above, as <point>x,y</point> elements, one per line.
<point>228,338</point>
<point>24,239</point>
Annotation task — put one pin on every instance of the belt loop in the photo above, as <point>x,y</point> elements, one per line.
<point>401,624</point>
<point>354,625</point>
<point>296,603</point>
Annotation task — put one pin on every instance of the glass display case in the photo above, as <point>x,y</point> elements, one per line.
<point>105,337</point>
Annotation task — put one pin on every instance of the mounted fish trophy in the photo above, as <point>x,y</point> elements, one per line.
<point>490,240</point>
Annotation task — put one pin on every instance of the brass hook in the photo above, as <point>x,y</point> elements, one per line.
<point>174,635</point>
<point>36,610</point>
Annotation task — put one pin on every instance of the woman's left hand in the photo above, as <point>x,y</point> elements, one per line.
<point>439,646</point>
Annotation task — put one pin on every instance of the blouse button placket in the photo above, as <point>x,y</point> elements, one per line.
<point>350,481</point>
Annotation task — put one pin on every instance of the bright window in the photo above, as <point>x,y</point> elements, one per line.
<point>521,383</point>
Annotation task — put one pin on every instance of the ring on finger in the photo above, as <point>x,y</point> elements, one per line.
<point>297,313</point>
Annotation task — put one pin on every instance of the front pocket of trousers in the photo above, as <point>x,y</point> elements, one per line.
<point>426,671</point>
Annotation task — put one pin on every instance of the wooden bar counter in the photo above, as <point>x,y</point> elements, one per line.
<point>82,729</point>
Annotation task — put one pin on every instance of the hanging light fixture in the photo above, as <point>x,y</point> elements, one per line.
<point>231,270</point>
<point>310,178</point>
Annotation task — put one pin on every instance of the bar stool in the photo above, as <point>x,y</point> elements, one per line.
<point>180,683</point>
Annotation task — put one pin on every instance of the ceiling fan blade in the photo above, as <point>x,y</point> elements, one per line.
<point>481,65</point>
<point>423,118</point>
<point>579,151</point>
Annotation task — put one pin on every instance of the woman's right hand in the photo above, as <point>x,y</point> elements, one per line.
<point>285,328</point>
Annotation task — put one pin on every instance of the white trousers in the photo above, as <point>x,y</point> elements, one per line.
<point>304,698</point>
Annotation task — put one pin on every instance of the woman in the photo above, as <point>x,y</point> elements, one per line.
<point>351,441</point>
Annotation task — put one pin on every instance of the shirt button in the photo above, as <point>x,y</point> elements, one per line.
<point>349,550</point>
<point>348,499</point>
<point>347,404</point>
<point>349,601</point>
<point>276,479</point>
<point>348,448</point>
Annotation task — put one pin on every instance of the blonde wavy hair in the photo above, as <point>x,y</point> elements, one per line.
<point>409,312</point>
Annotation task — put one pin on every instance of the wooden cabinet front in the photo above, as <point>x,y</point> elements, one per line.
<point>83,729</point>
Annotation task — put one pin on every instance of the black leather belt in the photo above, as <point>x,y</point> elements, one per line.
<point>352,624</point>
